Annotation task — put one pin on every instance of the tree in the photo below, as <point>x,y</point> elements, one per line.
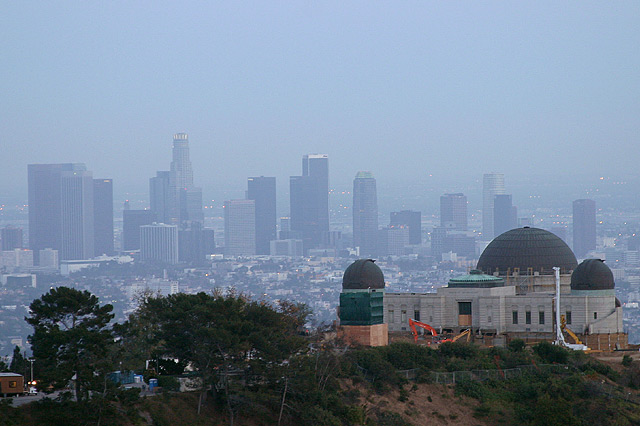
<point>223,336</point>
<point>71,339</point>
<point>19,363</point>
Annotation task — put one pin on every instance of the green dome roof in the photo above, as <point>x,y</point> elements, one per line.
<point>476,279</point>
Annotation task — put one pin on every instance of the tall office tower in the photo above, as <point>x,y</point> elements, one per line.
<point>411,219</point>
<point>240,227</point>
<point>505,214</point>
<point>45,206</point>
<point>185,200</point>
<point>584,227</point>
<point>195,243</point>
<point>77,214</point>
<point>310,200</point>
<point>492,185</point>
<point>159,243</point>
<point>365,214</point>
<point>159,196</point>
<point>11,238</point>
<point>132,220</point>
<point>262,190</point>
<point>453,211</point>
<point>103,217</point>
<point>392,240</point>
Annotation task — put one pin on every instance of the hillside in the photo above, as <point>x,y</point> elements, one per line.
<point>543,385</point>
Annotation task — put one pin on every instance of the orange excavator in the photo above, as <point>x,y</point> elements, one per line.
<point>413,323</point>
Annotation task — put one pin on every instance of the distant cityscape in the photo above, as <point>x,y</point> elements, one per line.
<point>72,233</point>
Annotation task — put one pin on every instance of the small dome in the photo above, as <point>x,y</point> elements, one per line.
<point>525,248</point>
<point>476,279</point>
<point>592,274</point>
<point>363,274</point>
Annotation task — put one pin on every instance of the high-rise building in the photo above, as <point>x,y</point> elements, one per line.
<point>194,243</point>
<point>11,238</point>
<point>492,185</point>
<point>453,211</point>
<point>182,201</point>
<point>159,196</point>
<point>309,200</point>
<point>45,205</point>
<point>77,214</point>
<point>410,219</point>
<point>392,240</point>
<point>62,210</point>
<point>262,190</point>
<point>365,214</point>
<point>584,227</point>
<point>505,214</point>
<point>240,227</point>
<point>132,220</point>
<point>103,216</point>
<point>159,243</point>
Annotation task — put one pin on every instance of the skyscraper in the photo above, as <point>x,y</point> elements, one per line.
<point>184,201</point>
<point>132,220</point>
<point>45,206</point>
<point>584,227</point>
<point>159,243</point>
<point>262,190</point>
<point>453,211</point>
<point>365,214</point>
<point>411,219</point>
<point>492,185</point>
<point>505,214</point>
<point>159,196</point>
<point>103,216</point>
<point>310,200</point>
<point>11,238</point>
<point>62,210</point>
<point>77,214</point>
<point>240,227</point>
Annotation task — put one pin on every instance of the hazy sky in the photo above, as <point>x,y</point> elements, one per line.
<point>404,89</point>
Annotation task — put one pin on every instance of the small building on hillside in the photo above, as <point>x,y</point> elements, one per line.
<point>11,384</point>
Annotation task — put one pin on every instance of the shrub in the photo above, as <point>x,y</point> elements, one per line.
<point>627,360</point>
<point>551,353</point>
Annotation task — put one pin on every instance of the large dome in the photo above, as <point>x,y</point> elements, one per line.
<point>592,274</point>
<point>363,274</point>
<point>525,248</point>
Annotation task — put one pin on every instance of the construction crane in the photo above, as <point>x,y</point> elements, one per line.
<point>560,322</point>
<point>466,333</point>
<point>563,326</point>
<point>413,323</point>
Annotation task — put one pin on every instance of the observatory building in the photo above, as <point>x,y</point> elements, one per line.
<point>361,309</point>
<point>511,295</point>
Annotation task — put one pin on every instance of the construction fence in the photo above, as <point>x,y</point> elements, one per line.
<point>453,377</point>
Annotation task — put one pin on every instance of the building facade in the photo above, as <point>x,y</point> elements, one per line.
<point>511,295</point>
<point>584,227</point>
<point>453,211</point>
<point>309,200</point>
<point>365,214</point>
<point>159,243</point>
<point>262,190</point>
<point>103,217</point>
<point>240,227</point>
<point>492,185</point>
